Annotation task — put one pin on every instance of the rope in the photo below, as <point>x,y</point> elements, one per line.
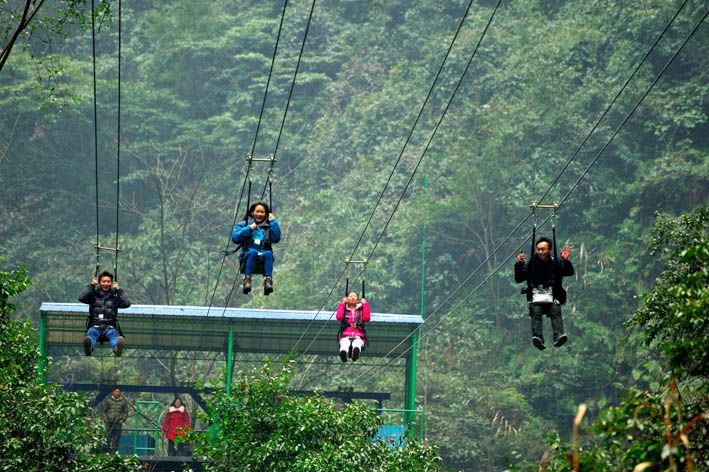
<point>610,105</point>
<point>290,94</point>
<point>428,144</point>
<point>269,178</point>
<point>248,169</point>
<point>632,111</point>
<point>270,74</point>
<point>93,54</point>
<point>391,174</point>
<point>118,146</point>
<point>295,75</point>
<point>637,105</point>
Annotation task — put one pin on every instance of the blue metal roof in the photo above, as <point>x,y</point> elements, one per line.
<point>228,313</point>
<point>203,329</point>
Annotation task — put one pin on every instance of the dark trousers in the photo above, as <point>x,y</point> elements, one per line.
<point>180,450</point>
<point>553,311</point>
<point>113,435</point>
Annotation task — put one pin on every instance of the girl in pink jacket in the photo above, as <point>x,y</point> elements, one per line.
<point>352,312</point>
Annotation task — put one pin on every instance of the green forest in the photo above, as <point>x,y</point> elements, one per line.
<point>414,134</point>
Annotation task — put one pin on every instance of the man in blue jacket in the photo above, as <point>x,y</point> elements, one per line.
<point>256,239</point>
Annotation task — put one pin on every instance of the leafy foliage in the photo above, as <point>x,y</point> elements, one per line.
<point>653,428</point>
<point>261,427</point>
<point>664,428</point>
<point>193,78</point>
<point>41,426</point>
<point>675,315</point>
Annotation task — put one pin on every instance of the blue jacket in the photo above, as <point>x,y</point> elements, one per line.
<point>256,239</point>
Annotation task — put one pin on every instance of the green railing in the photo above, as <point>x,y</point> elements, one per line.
<point>148,428</point>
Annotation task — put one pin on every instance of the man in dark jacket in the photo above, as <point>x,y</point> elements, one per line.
<point>545,295</point>
<point>104,298</point>
<point>113,411</point>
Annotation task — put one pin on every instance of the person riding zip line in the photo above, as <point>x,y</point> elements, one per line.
<point>352,313</point>
<point>255,235</point>
<point>104,297</point>
<point>545,294</point>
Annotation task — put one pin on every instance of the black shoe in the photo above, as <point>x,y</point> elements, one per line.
<point>343,356</point>
<point>538,343</point>
<point>87,346</point>
<point>355,354</point>
<point>119,346</point>
<point>267,285</point>
<point>560,340</point>
<point>247,284</point>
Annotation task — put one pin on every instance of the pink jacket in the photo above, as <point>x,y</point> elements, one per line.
<point>352,330</point>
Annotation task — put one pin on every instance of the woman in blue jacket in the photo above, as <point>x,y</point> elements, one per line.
<point>255,235</point>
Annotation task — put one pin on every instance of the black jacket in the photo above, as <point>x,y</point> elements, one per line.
<point>544,274</point>
<point>106,304</point>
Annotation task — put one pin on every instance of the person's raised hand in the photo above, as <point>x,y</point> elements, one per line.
<point>520,257</point>
<point>565,252</point>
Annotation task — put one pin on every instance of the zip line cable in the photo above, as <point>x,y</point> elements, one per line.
<point>391,174</point>
<point>118,145</point>
<point>248,169</point>
<point>96,161</point>
<point>428,144</point>
<point>637,105</point>
<point>435,129</point>
<point>285,113</point>
<point>268,82</point>
<point>93,55</point>
<point>269,180</point>
<point>556,179</point>
<point>253,147</point>
<point>295,75</point>
<point>574,186</point>
<point>610,105</point>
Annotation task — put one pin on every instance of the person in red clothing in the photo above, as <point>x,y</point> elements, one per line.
<point>352,312</point>
<point>176,423</point>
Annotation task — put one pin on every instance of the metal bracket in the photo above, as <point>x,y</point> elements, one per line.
<point>270,158</point>
<point>353,261</point>
<point>116,249</point>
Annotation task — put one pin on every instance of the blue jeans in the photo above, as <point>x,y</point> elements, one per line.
<point>252,255</point>
<point>110,332</point>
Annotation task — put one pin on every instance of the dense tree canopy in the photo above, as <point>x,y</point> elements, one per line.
<point>260,426</point>
<point>193,79</point>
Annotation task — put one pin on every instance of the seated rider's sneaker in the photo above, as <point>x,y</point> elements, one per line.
<point>538,343</point>
<point>560,340</point>
<point>247,284</point>
<point>87,346</point>
<point>355,354</point>
<point>119,346</point>
<point>343,356</point>
<point>267,285</point>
